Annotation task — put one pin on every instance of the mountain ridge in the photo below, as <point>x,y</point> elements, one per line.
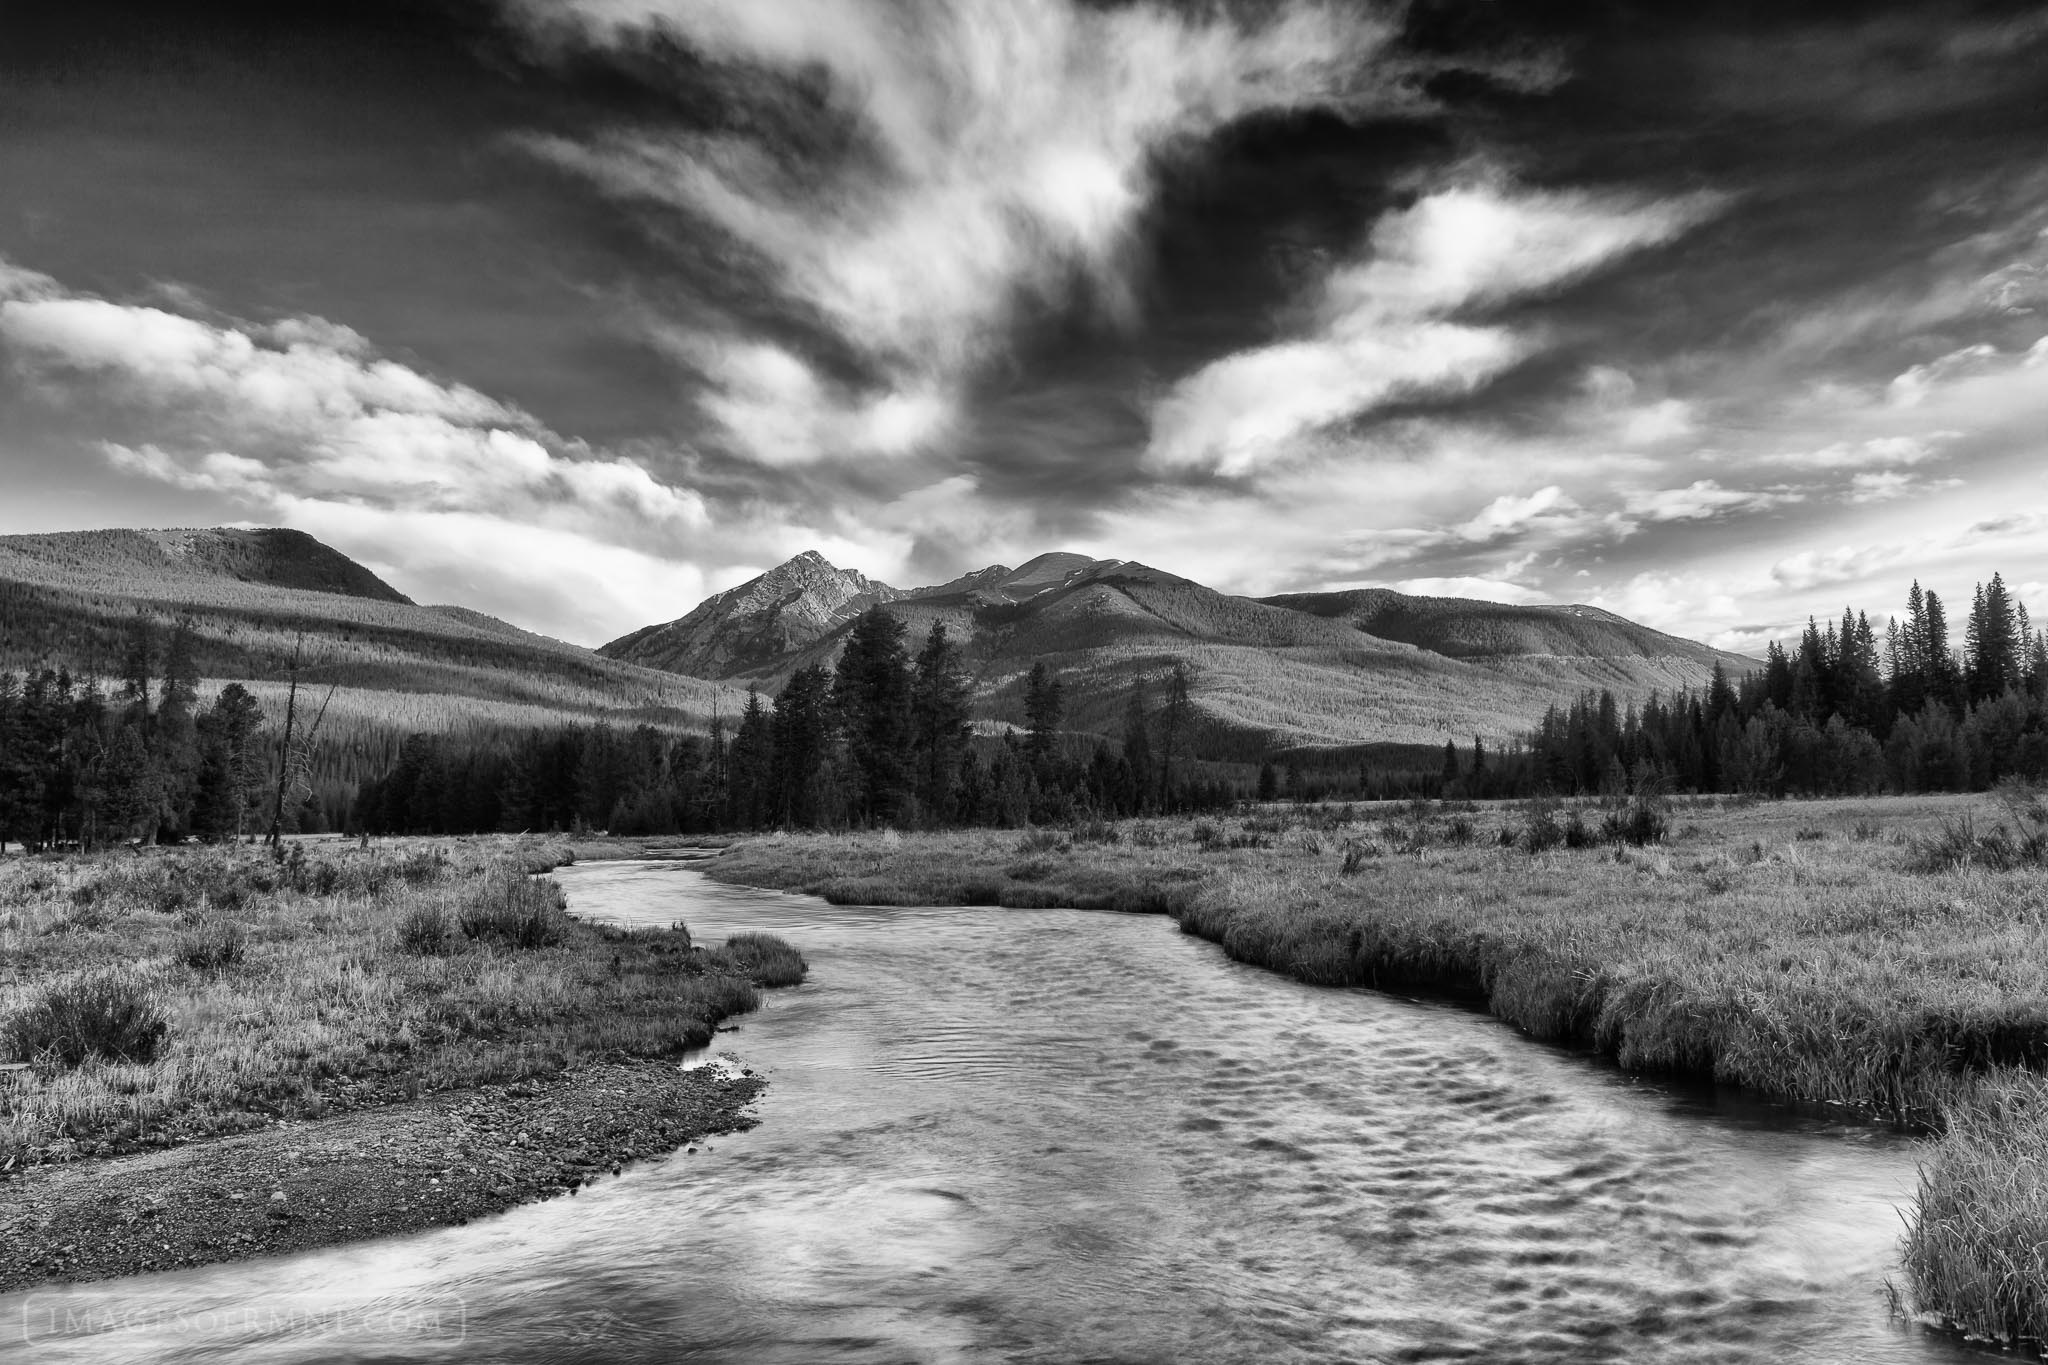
<point>1330,668</point>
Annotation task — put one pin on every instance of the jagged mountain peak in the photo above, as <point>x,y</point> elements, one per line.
<point>765,618</point>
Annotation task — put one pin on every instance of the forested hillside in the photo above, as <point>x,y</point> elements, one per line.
<point>260,606</point>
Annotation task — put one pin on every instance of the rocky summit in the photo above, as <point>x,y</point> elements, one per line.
<point>757,623</point>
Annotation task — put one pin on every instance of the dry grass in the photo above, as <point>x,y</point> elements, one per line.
<point>303,986</point>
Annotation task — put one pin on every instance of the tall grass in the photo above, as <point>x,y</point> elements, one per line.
<point>1977,1237</point>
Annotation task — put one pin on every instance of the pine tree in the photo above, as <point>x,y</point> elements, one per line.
<point>174,738</point>
<point>230,763</point>
<point>1043,705</point>
<point>751,769</point>
<point>1137,739</point>
<point>127,785</point>
<point>802,728</point>
<point>1175,721</point>
<point>871,700</point>
<point>21,777</point>
<point>1991,643</point>
<point>939,694</point>
<point>1944,680</point>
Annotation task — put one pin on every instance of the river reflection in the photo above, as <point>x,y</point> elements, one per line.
<point>1061,1136</point>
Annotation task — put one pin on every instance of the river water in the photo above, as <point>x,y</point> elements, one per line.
<point>1062,1136</point>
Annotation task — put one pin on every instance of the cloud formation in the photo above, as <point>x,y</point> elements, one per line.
<point>302,420</point>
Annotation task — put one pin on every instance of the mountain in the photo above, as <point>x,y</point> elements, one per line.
<point>383,664</point>
<point>1465,629</point>
<point>1304,669</point>
<point>749,628</point>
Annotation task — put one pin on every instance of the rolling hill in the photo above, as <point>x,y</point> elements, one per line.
<point>1320,669</point>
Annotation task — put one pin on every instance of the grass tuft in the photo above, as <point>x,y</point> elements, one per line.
<point>423,930</point>
<point>518,912</point>
<point>108,1012</point>
<point>212,947</point>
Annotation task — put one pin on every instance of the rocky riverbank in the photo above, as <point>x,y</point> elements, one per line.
<point>435,1162</point>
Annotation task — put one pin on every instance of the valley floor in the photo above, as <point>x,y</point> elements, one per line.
<point>1885,955</point>
<point>229,1054</point>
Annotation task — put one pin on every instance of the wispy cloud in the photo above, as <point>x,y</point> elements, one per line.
<point>920,175</point>
<point>1391,326</point>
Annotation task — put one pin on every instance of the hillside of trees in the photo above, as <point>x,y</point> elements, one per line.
<point>251,604</point>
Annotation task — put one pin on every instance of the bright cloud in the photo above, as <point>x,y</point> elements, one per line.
<point>303,421</point>
<point>1388,326</point>
<point>1474,589</point>
<point>1844,564</point>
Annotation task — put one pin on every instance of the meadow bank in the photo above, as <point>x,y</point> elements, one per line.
<point>186,1015</point>
<point>1885,955</point>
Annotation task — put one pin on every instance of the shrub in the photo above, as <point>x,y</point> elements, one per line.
<point>423,931</point>
<point>1358,856</point>
<point>1542,830</point>
<point>1041,841</point>
<point>523,913</point>
<point>766,960</point>
<point>1576,833</point>
<point>1958,844</point>
<point>1459,831</point>
<point>1096,832</point>
<point>1640,822</point>
<point>109,1012</point>
<point>213,947</point>
<point>426,865</point>
<point>1812,834</point>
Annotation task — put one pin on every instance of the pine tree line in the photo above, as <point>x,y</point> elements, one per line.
<point>80,765</point>
<point>881,739</point>
<point>1838,714</point>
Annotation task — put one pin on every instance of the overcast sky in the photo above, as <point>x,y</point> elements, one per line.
<point>576,310</point>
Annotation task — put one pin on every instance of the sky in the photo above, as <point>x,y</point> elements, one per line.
<point>576,311</point>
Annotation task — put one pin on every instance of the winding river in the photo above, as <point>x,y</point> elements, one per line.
<point>1060,1136</point>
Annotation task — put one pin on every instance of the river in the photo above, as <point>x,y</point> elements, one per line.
<point>1062,1136</point>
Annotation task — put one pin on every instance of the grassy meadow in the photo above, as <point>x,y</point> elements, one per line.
<point>1886,955</point>
<point>185,993</point>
